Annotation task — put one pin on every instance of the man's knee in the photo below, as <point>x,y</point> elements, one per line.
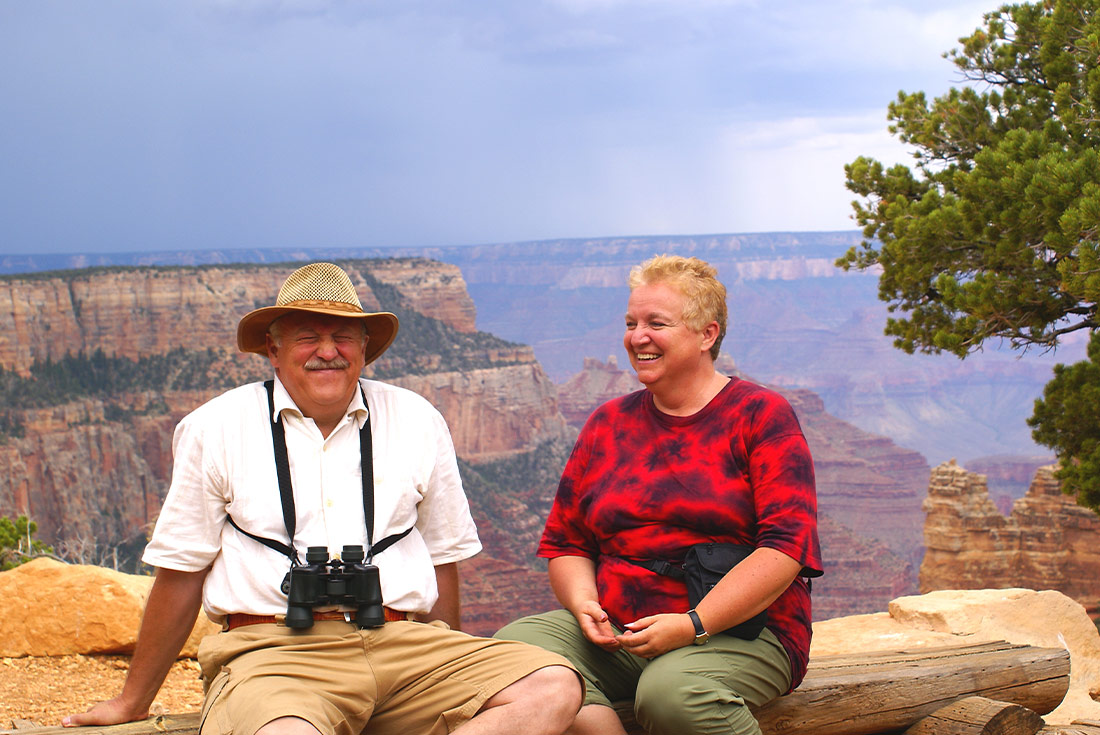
<point>288,726</point>
<point>555,689</point>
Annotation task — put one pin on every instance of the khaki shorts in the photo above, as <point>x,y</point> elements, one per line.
<point>405,678</point>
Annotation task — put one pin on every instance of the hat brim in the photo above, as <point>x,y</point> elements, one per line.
<point>252,329</point>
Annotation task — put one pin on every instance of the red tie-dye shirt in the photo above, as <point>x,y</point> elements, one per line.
<point>641,484</point>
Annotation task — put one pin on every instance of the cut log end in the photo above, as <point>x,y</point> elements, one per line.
<point>979,716</point>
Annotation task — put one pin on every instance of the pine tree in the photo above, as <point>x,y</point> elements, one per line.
<point>994,231</point>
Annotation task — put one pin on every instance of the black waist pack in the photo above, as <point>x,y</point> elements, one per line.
<point>704,565</point>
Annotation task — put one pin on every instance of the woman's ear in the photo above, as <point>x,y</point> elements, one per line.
<point>710,334</point>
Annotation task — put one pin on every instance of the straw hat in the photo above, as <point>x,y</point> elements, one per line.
<point>319,288</point>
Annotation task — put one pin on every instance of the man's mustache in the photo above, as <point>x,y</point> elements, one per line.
<point>317,363</point>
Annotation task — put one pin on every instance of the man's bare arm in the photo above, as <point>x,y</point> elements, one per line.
<point>448,607</point>
<point>169,616</point>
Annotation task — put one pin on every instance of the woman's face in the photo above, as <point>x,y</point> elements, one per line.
<point>660,345</point>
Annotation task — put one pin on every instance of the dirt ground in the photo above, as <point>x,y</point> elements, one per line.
<point>43,690</point>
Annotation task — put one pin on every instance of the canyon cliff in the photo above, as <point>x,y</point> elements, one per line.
<point>796,320</point>
<point>133,313</point>
<point>1047,542</point>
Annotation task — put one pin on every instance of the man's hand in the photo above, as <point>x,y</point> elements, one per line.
<point>651,636</point>
<point>596,626</point>
<point>112,712</point>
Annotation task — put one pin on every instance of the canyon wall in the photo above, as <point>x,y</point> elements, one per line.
<point>136,312</point>
<point>494,412</point>
<point>795,320</point>
<point>1048,542</point>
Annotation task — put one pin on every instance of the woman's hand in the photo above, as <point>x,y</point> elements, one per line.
<point>651,636</point>
<point>574,581</point>
<point>596,626</point>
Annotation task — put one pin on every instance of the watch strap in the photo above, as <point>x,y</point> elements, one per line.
<point>700,631</point>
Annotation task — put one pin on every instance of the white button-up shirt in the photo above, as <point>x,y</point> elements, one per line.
<point>224,465</point>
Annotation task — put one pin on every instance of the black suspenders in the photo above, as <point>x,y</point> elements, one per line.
<point>286,492</point>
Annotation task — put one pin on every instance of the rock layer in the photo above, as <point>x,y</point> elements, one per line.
<point>494,412</point>
<point>1048,542</point>
<point>136,312</point>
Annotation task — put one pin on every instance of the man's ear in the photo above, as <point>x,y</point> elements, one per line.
<point>272,350</point>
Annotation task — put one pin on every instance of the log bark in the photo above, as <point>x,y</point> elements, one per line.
<point>979,716</point>
<point>1079,727</point>
<point>874,693</point>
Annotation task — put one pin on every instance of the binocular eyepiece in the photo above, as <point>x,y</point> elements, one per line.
<point>344,581</point>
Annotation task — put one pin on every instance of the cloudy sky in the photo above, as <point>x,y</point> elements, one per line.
<point>168,124</point>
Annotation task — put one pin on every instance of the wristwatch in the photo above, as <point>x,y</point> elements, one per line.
<point>701,634</point>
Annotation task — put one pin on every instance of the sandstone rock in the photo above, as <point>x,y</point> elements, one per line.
<point>597,383</point>
<point>1047,619</point>
<point>861,574</point>
<point>494,412</point>
<point>432,287</point>
<point>53,609</point>
<point>1048,542</point>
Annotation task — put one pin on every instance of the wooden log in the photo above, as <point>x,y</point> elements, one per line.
<point>979,716</point>
<point>1079,727</point>
<point>873,693</point>
<point>182,724</point>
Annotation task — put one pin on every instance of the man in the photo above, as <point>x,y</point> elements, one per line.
<point>234,521</point>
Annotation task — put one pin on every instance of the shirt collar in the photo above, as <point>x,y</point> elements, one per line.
<point>357,409</point>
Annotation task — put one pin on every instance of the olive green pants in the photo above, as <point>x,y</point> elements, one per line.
<point>694,690</point>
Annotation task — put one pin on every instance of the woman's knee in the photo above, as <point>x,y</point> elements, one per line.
<point>691,703</point>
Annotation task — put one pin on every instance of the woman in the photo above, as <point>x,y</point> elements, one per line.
<point>696,457</point>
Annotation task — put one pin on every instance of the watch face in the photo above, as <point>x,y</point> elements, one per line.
<point>702,638</point>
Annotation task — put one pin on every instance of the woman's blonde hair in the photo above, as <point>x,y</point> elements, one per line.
<point>704,295</point>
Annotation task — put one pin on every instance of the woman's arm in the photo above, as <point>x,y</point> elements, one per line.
<point>747,589</point>
<point>573,579</point>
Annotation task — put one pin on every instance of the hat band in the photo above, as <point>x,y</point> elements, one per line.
<point>353,309</point>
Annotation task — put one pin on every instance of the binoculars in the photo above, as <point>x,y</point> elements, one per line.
<point>344,581</point>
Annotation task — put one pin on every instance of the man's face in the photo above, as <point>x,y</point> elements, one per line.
<point>318,358</point>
